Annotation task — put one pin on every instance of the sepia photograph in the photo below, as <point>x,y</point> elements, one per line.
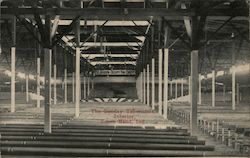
<point>124,78</point>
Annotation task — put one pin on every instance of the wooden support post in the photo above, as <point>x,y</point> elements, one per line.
<point>55,92</point>
<point>194,85</point>
<point>144,86</point>
<point>73,87</point>
<point>213,88</point>
<point>38,101</point>
<point>65,86</point>
<point>13,67</point>
<point>153,84</point>
<point>199,100</point>
<point>160,82</point>
<point>27,87</point>
<point>77,69</point>
<point>77,92</point>
<point>88,86</point>
<point>148,99</point>
<point>233,87</point>
<point>47,75</point>
<point>165,109</point>
<point>233,75</point>
<point>182,89</point>
<point>189,88</point>
<point>141,86</point>
<point>92,83</point>
<point>47,72</point>
<point>84,88</point>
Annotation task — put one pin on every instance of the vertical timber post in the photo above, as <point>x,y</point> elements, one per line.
<point>182,85</point>
<point>73,87</point>
<point>65,79</point>
<point>55,93</point>
<point>213,88</point>
<point>233,76</point>
<point>141,86</point>
<point>13,68</point>
<point>199,100</point>
<point>160,82</point>
<point>165,109</point>
<point>144,86</point>
<point>47,74</point>
<point>38,102</point>
<point>153,84</point>
<point>194,74</point>
<point>148,99</point>
<point>194,88</point>
<point>92,83</point>
<point>77,70</point>
<point>189,88</point>
<point>88,85</point>
<point>238,93</point>
<point>27,87</point>
<point>65,86</point>
<point>84,87</point>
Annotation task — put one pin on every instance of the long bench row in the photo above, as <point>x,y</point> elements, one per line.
<point>73,138</point>
<point>230,129</point>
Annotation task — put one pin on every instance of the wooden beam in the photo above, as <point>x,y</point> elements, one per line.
<point>111,13</point>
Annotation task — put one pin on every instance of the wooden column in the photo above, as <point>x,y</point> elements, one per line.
<point>27,87</point>
<point>148,99</point>
<point>194,88</point>
<point>84,88</point>
<point>47,75</point>
<point>160,82</point>
<point>88,86</point>
<point>165,109</point>
<point>141,86</point>
<point>38,101</point>
<point>213,88</point>
<point>77,88</point>
<point>199,100</point>
<point>233,88</point>
<point>92,83</point>
<point>233,75</point>
<point>73,87</point>
<point>13,68</point>
<point>153,84</point>
<point>65,86</point>
<point>189,88</point>
<point>47,90</point>
<point>144,86</point>
<point>55,84</point>
<point>77,69</point>
<point>182,85</point>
